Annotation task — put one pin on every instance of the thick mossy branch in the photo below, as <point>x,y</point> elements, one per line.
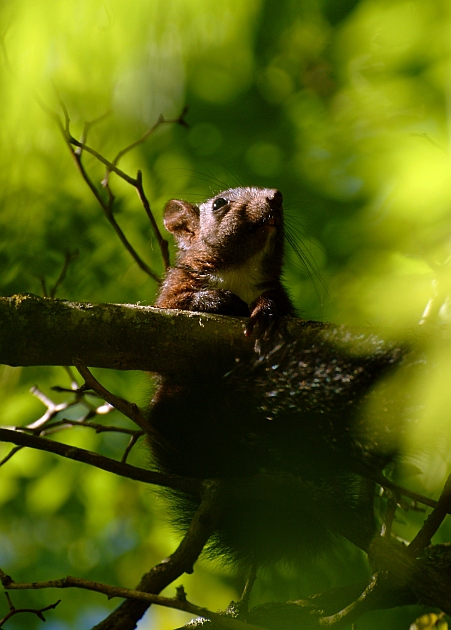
<point>45,331</point>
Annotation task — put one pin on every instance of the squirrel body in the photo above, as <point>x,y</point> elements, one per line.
<point>284,429</point>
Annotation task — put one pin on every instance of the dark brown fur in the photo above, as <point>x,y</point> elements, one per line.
<point>293,414</point>
<point>229,259</point>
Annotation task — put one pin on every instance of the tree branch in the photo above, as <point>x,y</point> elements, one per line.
<point>162,242</point>
<point>181,561</point>
<point>111,166</point>
<point>185,484</point>
<point>433,522</point>
<point>428,577</point>
<point>45,331</point>
<point>107,205</point>
<point>178,603</point>
<point>130,410</point>
<point>17,611</point>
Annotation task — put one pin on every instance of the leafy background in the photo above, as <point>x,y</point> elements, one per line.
<point>342,106</point>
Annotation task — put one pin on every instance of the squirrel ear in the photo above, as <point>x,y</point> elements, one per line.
<point>182,219</point>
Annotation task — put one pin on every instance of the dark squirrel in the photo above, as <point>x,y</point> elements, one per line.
<point>288,426</point>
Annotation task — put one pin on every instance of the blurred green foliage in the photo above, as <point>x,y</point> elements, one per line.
<point>343,106</point>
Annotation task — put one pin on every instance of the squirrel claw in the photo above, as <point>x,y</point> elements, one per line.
<point>268,329</point>
<point>265,318</point>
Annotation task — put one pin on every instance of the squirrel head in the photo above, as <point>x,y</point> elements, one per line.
<point>229,228</point>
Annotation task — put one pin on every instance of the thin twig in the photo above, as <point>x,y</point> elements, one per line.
<point>42,424</point>
<point>70,374</point>
<point>129,410</point>
<point>90,123</point>
<point>65,112</point>
<point>355,609</point>
<point>178,603</point>
<point>184,484</point>
<point>52,410</point>
<point>96,426</point>
<point>246,594</point>
<point>110,166</point>
<point>12,452</point>
<point>397,489</point>
<point>181,561</point>
<point>162,242</point>
<point>16,611</point>
<point>137,183</point>
<point>69,258</point>
<point>106,206</point>
<point>160,121</point>
<point>133,439</point>
<point>433,522</point>
<point>55,427</point>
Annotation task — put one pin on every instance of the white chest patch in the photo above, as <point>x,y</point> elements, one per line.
<point>243,281</point>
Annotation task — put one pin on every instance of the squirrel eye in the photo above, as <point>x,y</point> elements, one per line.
<point>219,203</point>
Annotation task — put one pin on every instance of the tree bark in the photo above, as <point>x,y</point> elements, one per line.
<point>46,331</point>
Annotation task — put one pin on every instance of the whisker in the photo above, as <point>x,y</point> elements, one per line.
<point>307,261</point>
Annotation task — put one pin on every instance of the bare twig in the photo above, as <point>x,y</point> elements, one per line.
<point>181,561</point>
<point>433,522</point>
<point>184,484</point>
<point>70,257</point>
<point>90,123</point>
<point>16,611</point>
<point>246,594</point>
<point>355,609</point>
<point>400,490</point>
<point>65,112</point>
<point>44,424</point>
<point>105,205</point>
<point>163,244</point>
<point>52,410</point>
<point>133,439</point>
<point>12,452</point>
<point>111,166</point>
<point>178,602</point>
<point>130,410</point>
<point>107,208</point>
<point>161,121</point>
<point>98,428</point>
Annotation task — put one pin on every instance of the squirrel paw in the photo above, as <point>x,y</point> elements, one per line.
<point>265,322</point>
